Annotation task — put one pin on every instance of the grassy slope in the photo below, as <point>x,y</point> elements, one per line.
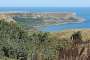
<point>67,34</point>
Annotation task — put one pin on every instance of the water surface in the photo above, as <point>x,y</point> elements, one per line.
<point>80,11</point>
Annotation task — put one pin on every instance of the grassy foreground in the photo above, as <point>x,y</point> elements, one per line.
<point>16,43</point>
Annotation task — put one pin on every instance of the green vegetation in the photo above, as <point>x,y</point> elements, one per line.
<point>16,43</point>
<point>29,22</point>
<point>12,39</point>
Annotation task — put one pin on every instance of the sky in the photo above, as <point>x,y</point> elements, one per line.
<point>44,3</point>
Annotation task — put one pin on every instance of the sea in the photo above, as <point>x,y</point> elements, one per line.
<point>83,12</point>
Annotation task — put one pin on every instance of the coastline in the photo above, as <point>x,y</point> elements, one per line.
<point>54,14</point>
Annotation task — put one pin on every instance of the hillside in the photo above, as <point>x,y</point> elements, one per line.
<point>19,44</point>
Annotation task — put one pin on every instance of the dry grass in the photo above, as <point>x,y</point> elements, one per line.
<point>77,52</point>
<point>85,33</point>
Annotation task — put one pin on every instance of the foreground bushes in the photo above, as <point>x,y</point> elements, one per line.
<point>12,40</point>
<point>18,44</point>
